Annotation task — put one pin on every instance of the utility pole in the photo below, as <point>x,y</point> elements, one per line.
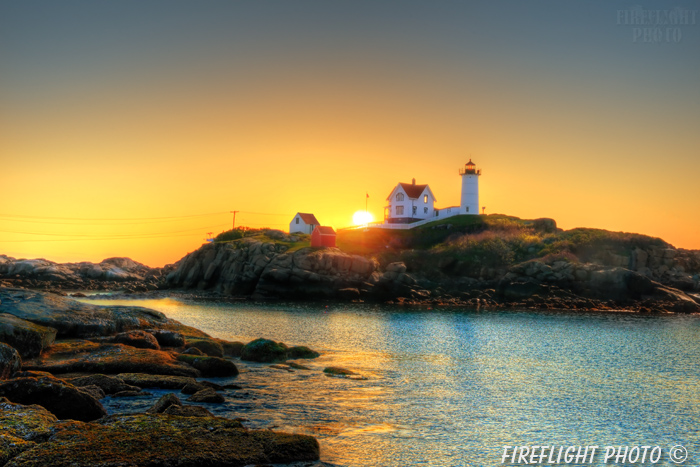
<point>234,219</point>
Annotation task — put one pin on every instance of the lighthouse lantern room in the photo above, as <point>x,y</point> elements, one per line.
<point>470,188</point>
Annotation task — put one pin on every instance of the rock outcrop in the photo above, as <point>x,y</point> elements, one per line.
<point>159,439</point>
<point>60,398</point>
<point>111,273</point>
<point>266,270</point>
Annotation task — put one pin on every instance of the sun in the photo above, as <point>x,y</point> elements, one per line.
<point>362,217</point>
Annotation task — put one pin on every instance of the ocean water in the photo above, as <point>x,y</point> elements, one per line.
<point>448,387</point>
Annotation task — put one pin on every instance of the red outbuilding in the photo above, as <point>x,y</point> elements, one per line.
<point>323,236</point>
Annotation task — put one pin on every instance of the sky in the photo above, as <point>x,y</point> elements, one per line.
<point>134,128</point>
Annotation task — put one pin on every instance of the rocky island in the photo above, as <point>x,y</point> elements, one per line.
<point>474,261</point>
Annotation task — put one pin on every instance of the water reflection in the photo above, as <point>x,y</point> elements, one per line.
<point>453,387</point>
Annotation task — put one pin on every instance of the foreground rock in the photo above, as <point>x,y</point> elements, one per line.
<point>92,357</point>
<point>28,338</point>
<point>165,440</point>
<point>60,398</point>
<point>73,319</point>
<point>10,361</point>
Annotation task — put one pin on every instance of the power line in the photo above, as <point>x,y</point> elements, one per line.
<point>97,237</point>
<point>16,216</point>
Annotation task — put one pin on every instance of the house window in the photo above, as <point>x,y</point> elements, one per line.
<point>399,210</point>
<point>399,196</point>
<point>467,208</point>
<point>425,210</point>
<point>437,212</point>
<point>415,209</point>
<point>297,219</point>
<point>425,199</point>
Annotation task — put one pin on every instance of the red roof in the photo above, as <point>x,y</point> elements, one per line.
<point>308,218</point>
<point>324,230</point>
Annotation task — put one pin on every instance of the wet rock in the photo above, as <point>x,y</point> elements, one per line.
<point>165,440</point>
<point>92,357</point>
<point>338,371</point>
<point>188,411</point>
<point>168,338</point>
<point>193,351</point>
<point>28,338</point>
<point>164,402</point>
<point>94,390</point>
<point>62,399</point>
<point>207,395</point>
<point>109,384</point>
<point>139,339</point>
<point>193,388</point>
<point>297,366</point>
<point>301,351</point>
<point>210,366</point>
<point>156,381</point>
<point>26,422</point>
<point>264,350</point>
<point>10,361</point>
<point>131,394</point>
<point>75,319</point>
<point>232,349</point>
<point>209,347</point>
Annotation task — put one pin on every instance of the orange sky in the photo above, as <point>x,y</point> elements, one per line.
<point>108,128</point>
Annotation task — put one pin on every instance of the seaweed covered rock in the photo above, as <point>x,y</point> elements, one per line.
<point>109,384</point>
<point>268,351</point>
<point>207,395</point>
<point>164,402</point>
<point>231,349</point>
<point>188,411</point>
<point>264,350</point>
<point>10,361</point>
<point>28,338</point>
<point>164,440</point>
<point>92,357</point>
<point>60,398</point>
<point>27,422</point>
<point>301,351</point>
<point>207,346</point>
<point>168,338</point>
<point>143,380</point>
<point>210,366</point>
<point>137,338</point>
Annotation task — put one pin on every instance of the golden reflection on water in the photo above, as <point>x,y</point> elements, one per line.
<point>446,388</point>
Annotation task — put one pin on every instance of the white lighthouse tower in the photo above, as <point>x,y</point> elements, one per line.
<point>470,189</point>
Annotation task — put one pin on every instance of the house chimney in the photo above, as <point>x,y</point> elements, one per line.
<point>414,181</point>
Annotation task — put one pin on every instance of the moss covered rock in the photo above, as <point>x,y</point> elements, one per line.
<point>301,351</point>
<point>10,361</point>
<point>165,440</point>
<point>210,366</point>
<point>264,350</point>
<point>137,338</point>
<point>92,357</point>
<point>208,346</point>
<point>231,349</point>
<point>27,422</point>
<point>109,384</point>
<point>143,380</point>
<point>28,338</point>
<point>207,395</point>
<point>60,398</point>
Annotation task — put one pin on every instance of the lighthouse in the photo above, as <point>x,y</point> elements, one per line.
<point>470,189</point>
